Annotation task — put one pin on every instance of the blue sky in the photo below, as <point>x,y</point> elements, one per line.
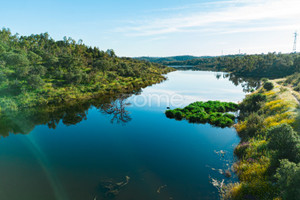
<point>161,27</point>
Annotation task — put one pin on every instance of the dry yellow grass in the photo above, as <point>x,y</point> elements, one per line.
<point>291,99</point>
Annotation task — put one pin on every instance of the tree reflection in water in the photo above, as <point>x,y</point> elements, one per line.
<point>117,108</point>
<point>24,121</point>
<point>247,83</point>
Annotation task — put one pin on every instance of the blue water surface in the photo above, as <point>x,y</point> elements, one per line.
<point>164,158</point>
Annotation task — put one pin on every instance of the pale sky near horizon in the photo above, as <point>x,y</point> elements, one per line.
<point>161,27</point>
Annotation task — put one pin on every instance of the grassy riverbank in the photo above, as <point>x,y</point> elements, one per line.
<point>269,152</point>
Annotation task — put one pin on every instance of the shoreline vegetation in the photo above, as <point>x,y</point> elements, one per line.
<point>269,152</point>
<point>212,112</point>
<point>37,71</point>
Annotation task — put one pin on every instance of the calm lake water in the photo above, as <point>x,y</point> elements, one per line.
<point>162,158</point>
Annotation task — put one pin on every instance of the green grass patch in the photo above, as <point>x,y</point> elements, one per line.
<point>213,112</point>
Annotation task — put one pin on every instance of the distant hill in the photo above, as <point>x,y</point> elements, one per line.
<point>185,60</point>
<point>169,59</point>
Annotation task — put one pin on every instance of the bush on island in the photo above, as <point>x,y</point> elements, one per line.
<point>213,112</point>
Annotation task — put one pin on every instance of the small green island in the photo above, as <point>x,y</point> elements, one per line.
<point>214,112</point>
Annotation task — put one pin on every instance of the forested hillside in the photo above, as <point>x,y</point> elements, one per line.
<point>37,70</point>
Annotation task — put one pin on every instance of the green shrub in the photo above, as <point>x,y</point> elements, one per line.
<point>212,119</point>
<point>269,86</point>
<point>178,115</point>
<point>285,142</point>
<point>251,104</point>
<point>240,150</point>
<point>221,121</point>
<point>297,88</point>
<point>227,122</point>
<point>294,80</point>
<point>254,124</point>
<point>255,190</point>
<point>221,109</point>
<point>231,107</point>
<point>169,114</point>
<point>193,118</point>
<point>288,175</point>
<point>230,116</point>
<point>202,117</point>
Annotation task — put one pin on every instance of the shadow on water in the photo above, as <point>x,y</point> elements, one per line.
<point>25,121</point>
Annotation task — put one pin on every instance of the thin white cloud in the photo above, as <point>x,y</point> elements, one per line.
<point>201,5</point>
<point>233,16</point>
<point>261,29</point>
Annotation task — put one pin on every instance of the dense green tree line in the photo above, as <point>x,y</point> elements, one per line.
<point>37,70</point>
<point>261,65</point>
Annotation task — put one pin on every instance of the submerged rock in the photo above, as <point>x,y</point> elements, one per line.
<point>111,188</point>
<point>160,188</point>
<point>220,153</point>
<point>227,173</point>
<point>218,184</point>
